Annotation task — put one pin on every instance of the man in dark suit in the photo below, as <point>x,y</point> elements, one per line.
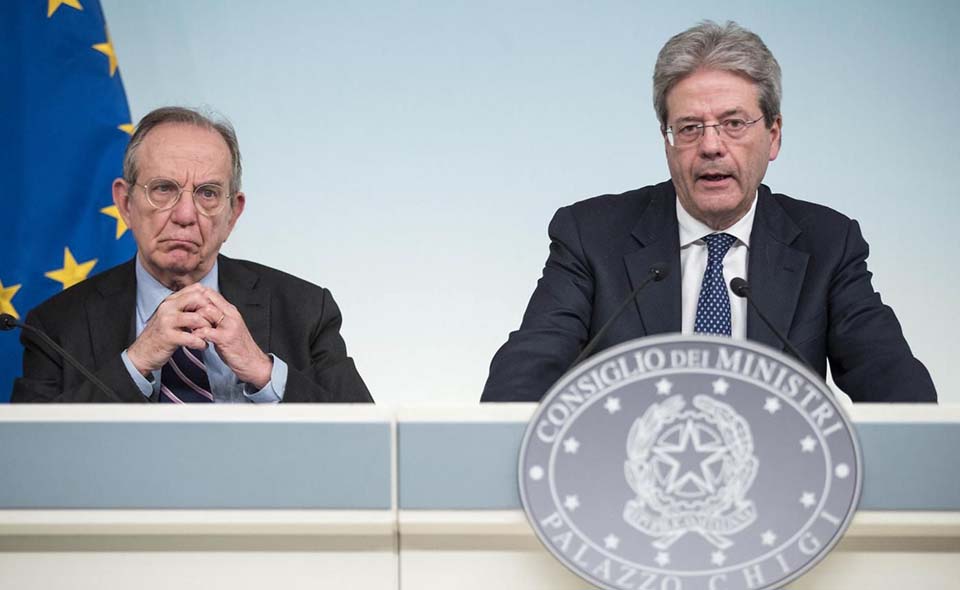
<point>717,95</point>
<point>182,323</point>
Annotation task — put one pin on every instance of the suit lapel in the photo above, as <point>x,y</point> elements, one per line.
<point>241,287</point>
<point>658,236</point>
<point>118,294</point>
<point>776,269</point>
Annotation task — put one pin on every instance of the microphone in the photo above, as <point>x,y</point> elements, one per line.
<point>8,322</point>
<point>657,272</point>
<point>740,288</point>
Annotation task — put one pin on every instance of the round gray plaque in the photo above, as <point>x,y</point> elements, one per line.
<point>689,463</point>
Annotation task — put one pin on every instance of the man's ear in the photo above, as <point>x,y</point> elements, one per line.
<point>236,208</point>
<point>776,131</point>
<point>121,198</point>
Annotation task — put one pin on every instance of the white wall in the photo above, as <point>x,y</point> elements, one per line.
<point>408,155</point>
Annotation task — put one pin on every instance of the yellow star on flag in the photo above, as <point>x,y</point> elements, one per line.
<point>107,49</point>
<point>6,299</point>
<point>53,5</point>
<point>71,273</point>
<point>126,128</point>
<point>112,211</point>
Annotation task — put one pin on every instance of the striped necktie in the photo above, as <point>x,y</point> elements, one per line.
<point>183,380</point>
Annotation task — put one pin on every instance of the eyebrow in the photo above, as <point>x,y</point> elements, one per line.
<point>731,112</point>
<point>723,115</point>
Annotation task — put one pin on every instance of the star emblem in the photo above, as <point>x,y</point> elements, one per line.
<point>611,541</point>
<point>112,211</point>
<point>720,386</point>
<point>106,48</point>
<point>536,473</point>
<point>612,405</point>
<point>768,538</point>
<point>842,470</point>
<point>688,460</point>
<point>71,273</point>
<point>808,499</point>
<point>717,558</point>
<point>571,503</point>
<point>664,386</point>
<point>662,558</point>
<point>571,445</point>
<point>53,5</point>
<point>808,444</point>
<point>771,405</point>
<point>127,128</point>
<point>6,299</point>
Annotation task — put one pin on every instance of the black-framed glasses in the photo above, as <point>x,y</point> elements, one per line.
<point>164,193</point>
<point>690,133</point>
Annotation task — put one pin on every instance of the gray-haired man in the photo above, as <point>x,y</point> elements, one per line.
<point>717,96</point>
<point>182,323</point>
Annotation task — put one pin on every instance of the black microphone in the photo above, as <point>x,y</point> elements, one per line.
<point>8,322</point>
<point>657,272</point>
<point>740,288</point>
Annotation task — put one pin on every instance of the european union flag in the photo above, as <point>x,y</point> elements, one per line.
<point>64,123</point>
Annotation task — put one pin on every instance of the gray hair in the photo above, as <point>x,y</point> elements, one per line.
<point>185,116</point>
<point>710,46</point>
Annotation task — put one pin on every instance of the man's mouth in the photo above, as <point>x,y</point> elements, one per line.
<point>183,244</point>
<point>714,177</point>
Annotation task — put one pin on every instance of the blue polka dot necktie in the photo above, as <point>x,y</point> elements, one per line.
<point>713,307</point>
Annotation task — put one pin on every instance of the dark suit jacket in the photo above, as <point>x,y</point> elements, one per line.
<point>94,320</point>
<point>807,271</point>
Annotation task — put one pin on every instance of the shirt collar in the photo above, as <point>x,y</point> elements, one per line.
<point>692,229</point>
<point>151,292</point>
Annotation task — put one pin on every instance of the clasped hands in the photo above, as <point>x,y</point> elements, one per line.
<point>193,317</point>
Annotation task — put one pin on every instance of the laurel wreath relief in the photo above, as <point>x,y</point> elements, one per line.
<point>718,507</point>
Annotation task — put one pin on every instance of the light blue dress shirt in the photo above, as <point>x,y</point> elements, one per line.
<point>224,383</point>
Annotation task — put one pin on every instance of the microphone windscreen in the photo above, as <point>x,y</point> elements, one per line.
<point>660,270</point>
<point>739,287</point>
<point>7,322</point>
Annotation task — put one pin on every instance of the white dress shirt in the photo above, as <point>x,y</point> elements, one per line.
<point>693,263</point>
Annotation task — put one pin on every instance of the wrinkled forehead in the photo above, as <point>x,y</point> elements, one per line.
<point>182,151</point>
<point>712,94</point>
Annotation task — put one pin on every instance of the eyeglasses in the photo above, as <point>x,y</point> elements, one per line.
<point>691,133</point>
<point>164,194</point>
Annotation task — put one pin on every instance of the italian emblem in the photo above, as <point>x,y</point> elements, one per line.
<point>693,463</point>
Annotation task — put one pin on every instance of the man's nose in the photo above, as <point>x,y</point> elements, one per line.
<point>185,211</point>
<point>711,142</point>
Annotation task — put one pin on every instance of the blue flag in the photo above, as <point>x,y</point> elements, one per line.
<point>64,126</point>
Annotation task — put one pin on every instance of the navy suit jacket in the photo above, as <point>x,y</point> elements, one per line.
<point>807,272</point>
<point>94,320</point>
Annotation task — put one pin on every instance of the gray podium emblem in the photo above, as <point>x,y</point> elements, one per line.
<point>689,463</point>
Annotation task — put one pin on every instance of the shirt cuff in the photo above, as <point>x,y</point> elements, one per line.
<point>272,392</point>
<point>145,385</point>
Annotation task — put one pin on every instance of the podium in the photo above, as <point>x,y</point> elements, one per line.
<point>362,497</point>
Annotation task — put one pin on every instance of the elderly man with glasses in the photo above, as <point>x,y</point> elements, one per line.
<point>716,92</point>
<point>182,323</point>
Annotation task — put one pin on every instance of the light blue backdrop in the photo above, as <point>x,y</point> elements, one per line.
<point>408,155</point>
